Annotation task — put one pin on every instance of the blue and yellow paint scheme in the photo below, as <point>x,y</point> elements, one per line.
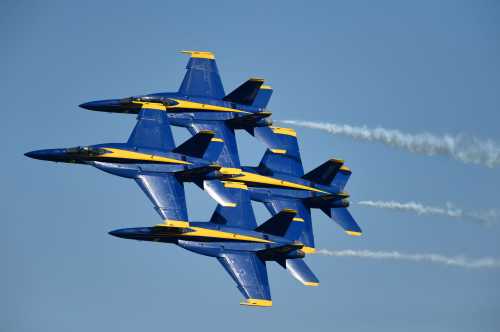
<point>279,181</point>
<point>151,159</point>
<point>210,159</point>
<point>201,104</point>
<point>241,247</point>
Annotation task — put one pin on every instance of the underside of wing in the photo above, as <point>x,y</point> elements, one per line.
<point>202,77</point>
<point>277,205</point>
<point>250,274</point>
<point>166,192</point>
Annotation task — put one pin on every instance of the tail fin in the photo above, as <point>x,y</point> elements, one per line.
<point>263,96</point>
<point>343,217</point>
<point>325,173</point>
<point>283,224</point>
<point>300,271</point>
<point>197,145</point>
<point>246,93</point>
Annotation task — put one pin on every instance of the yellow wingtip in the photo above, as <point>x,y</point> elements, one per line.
<point>200,54</point>
<point>257,303</point>
<point>351,233</point>
<point>308,250</point>
<point>216,139</point>
<point>266,87</point>
<point>311,284</point>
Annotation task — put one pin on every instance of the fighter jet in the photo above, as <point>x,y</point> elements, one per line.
<point>243,248</point>
<point>201,104</point>
<point>151,159</point>
<point>279,180</point>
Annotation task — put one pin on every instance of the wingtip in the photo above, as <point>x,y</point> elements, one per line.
<point>200,54</point>
<point>353,233</point>
<point>257,303</point>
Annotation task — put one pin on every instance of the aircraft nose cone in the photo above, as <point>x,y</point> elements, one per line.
<point>124,105</point>
<point>99,105</point>
<point>48,154</point>
<point>116,233</point>
<point>38,154</point>
<point>32,154</point>
<point>87,106</point>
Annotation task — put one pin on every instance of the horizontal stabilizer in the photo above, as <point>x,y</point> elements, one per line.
<point>341,178</point>
<point>283,224</point>
<point>343,217</point>
<point>245,94</point>
<point>263,96</point>
<point>300,271</point>
<point>325,173</point>
<point>196,145</point>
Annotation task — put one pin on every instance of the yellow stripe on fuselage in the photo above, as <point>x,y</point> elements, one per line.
<point>210,233</point>
<point>188,105</point>
<point>130,155</point>
<point>251,178</point>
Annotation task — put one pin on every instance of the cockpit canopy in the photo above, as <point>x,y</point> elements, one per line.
<point>86,151</point>
<point>155,99</point>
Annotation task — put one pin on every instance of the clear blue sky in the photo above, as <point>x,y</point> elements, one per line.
<point>422,66</point>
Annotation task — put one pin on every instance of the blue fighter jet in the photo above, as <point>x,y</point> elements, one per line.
<point>243,248</point>
<point>151,159</point>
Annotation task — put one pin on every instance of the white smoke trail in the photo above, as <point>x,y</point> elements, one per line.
<point>487,217</point>
<point>470,150</point>
<point>458,261</point>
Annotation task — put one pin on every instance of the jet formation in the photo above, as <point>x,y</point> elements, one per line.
<point>210,160</point>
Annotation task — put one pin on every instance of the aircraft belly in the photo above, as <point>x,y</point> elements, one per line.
<point>215,248</point>
<point>264,194</point>
<point>157,168</point>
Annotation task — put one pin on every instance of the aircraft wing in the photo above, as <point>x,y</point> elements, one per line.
<point>282,155</point>
<point>276,205</point>
<point>152,131</point>
<point>166,192</point>
<point>239,215</point>
<point>202,77</point>
<point>250,274</point>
